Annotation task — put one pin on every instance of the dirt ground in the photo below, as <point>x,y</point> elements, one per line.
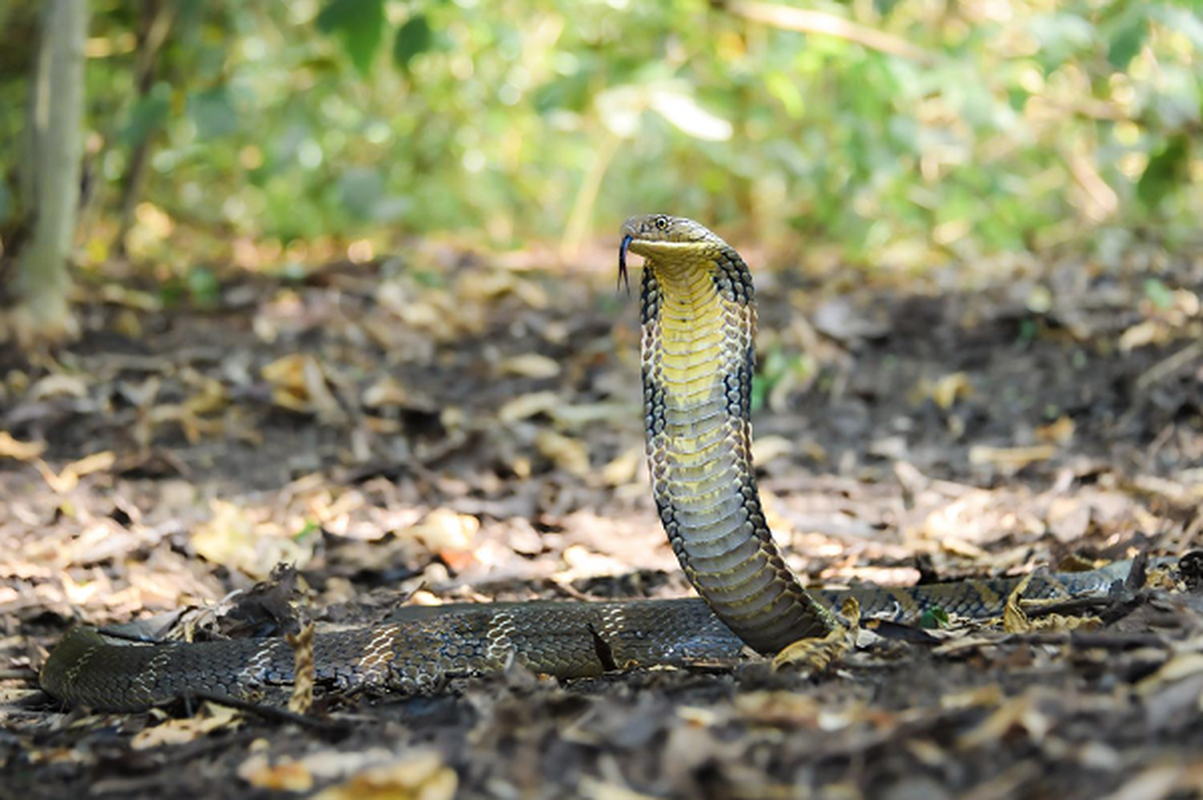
<point>440,428</point>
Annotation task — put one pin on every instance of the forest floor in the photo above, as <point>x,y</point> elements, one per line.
<point>450,429</point>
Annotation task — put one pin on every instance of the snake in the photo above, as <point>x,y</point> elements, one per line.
<point>698,326</point>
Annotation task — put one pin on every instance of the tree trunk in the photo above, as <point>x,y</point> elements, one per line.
<point>55,126</point>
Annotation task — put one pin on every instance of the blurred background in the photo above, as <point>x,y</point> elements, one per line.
<point>880,134</point>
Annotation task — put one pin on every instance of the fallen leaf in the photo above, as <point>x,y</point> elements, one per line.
<point>570,455</point>
<point>949,389</point>
<point>299,383</point>
<point>1010,457</point>
<point>1059,432</point>
<point>623,469</point>
<point>767,449</point>
<point>68,478</point>
<point>21,451</point>
<point>448,534</point>
<point>1139,335</point>
<point>1181,666</point>
<point>528,405</point>
<point>211,718</point>
<point>1020,712</point>
<point>530,365</point>
<point>816,655</point>
<point>57,386</point>
<point>285,775</point>
<point>385,392</point>
<point>418,775</point>
<point>235,537</point>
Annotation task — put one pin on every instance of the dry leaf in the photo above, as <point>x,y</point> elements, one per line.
<point>816,655</point>
<point>385,392</point>
<point>1010,457</point>
<point>418,775</point>
<point>949,389</point>
<point>623,469</point>
<point>530,365</point>
<point>58,385</point>
<point>211,717</point>
<point>1181,666</point>
<point>1059,432</point>
<point>1139,335</point>
<point>1020,712</point>
<point>299,383</point>
<point>528,405</point>
<point>767,449</point>
<point>120,295</point>
<point>21,451</point>
<point>236,538</point>
<point>570,455</point>
<point>68,479</point>
<point>445,532</point>
<point>287,378</point>
<point>211,396</point>
<point>284,776</point>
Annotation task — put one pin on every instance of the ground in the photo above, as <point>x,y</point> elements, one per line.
<point>449,427</point>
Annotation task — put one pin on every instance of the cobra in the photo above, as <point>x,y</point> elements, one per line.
<point>698,330</point>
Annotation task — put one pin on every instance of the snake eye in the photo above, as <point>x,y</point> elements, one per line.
<point>662,223</point>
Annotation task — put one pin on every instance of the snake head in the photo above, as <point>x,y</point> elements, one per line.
<point>663,237</point>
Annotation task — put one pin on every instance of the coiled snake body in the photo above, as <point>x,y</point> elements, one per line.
<point>698,324</point>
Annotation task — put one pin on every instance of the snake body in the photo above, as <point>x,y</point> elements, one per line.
<point>698,324</point>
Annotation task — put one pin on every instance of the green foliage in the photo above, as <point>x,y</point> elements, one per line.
<point>507,121</point>
<point>1168,168</point>
<point>413,39</point>
<point>360,25</point>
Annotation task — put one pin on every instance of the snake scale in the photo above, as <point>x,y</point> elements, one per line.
<point>698,324</point>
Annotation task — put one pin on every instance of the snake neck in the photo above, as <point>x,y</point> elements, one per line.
<point>698,327</point>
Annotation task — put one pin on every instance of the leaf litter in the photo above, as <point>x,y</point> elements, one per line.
<point>469,438</point>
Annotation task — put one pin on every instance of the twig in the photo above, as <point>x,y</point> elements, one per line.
<point>267,712</point>
<point>807,20</point>
<point>19,674</point>
<point>1088,639</point>
<point>1169,365</point>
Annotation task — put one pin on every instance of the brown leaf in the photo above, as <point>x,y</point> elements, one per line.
<point>180,731</point>
<point>285,775</point>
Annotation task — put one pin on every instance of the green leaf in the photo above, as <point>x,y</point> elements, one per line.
<point>213,113</point>
<point>360,25</point>
<point>1158,293</point>
<point>1166,169</point>
<point>413,38</point>
<point>204,287</point>
<point>148,115</point>
<point>1126,43</point>
<point>934,617</point>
